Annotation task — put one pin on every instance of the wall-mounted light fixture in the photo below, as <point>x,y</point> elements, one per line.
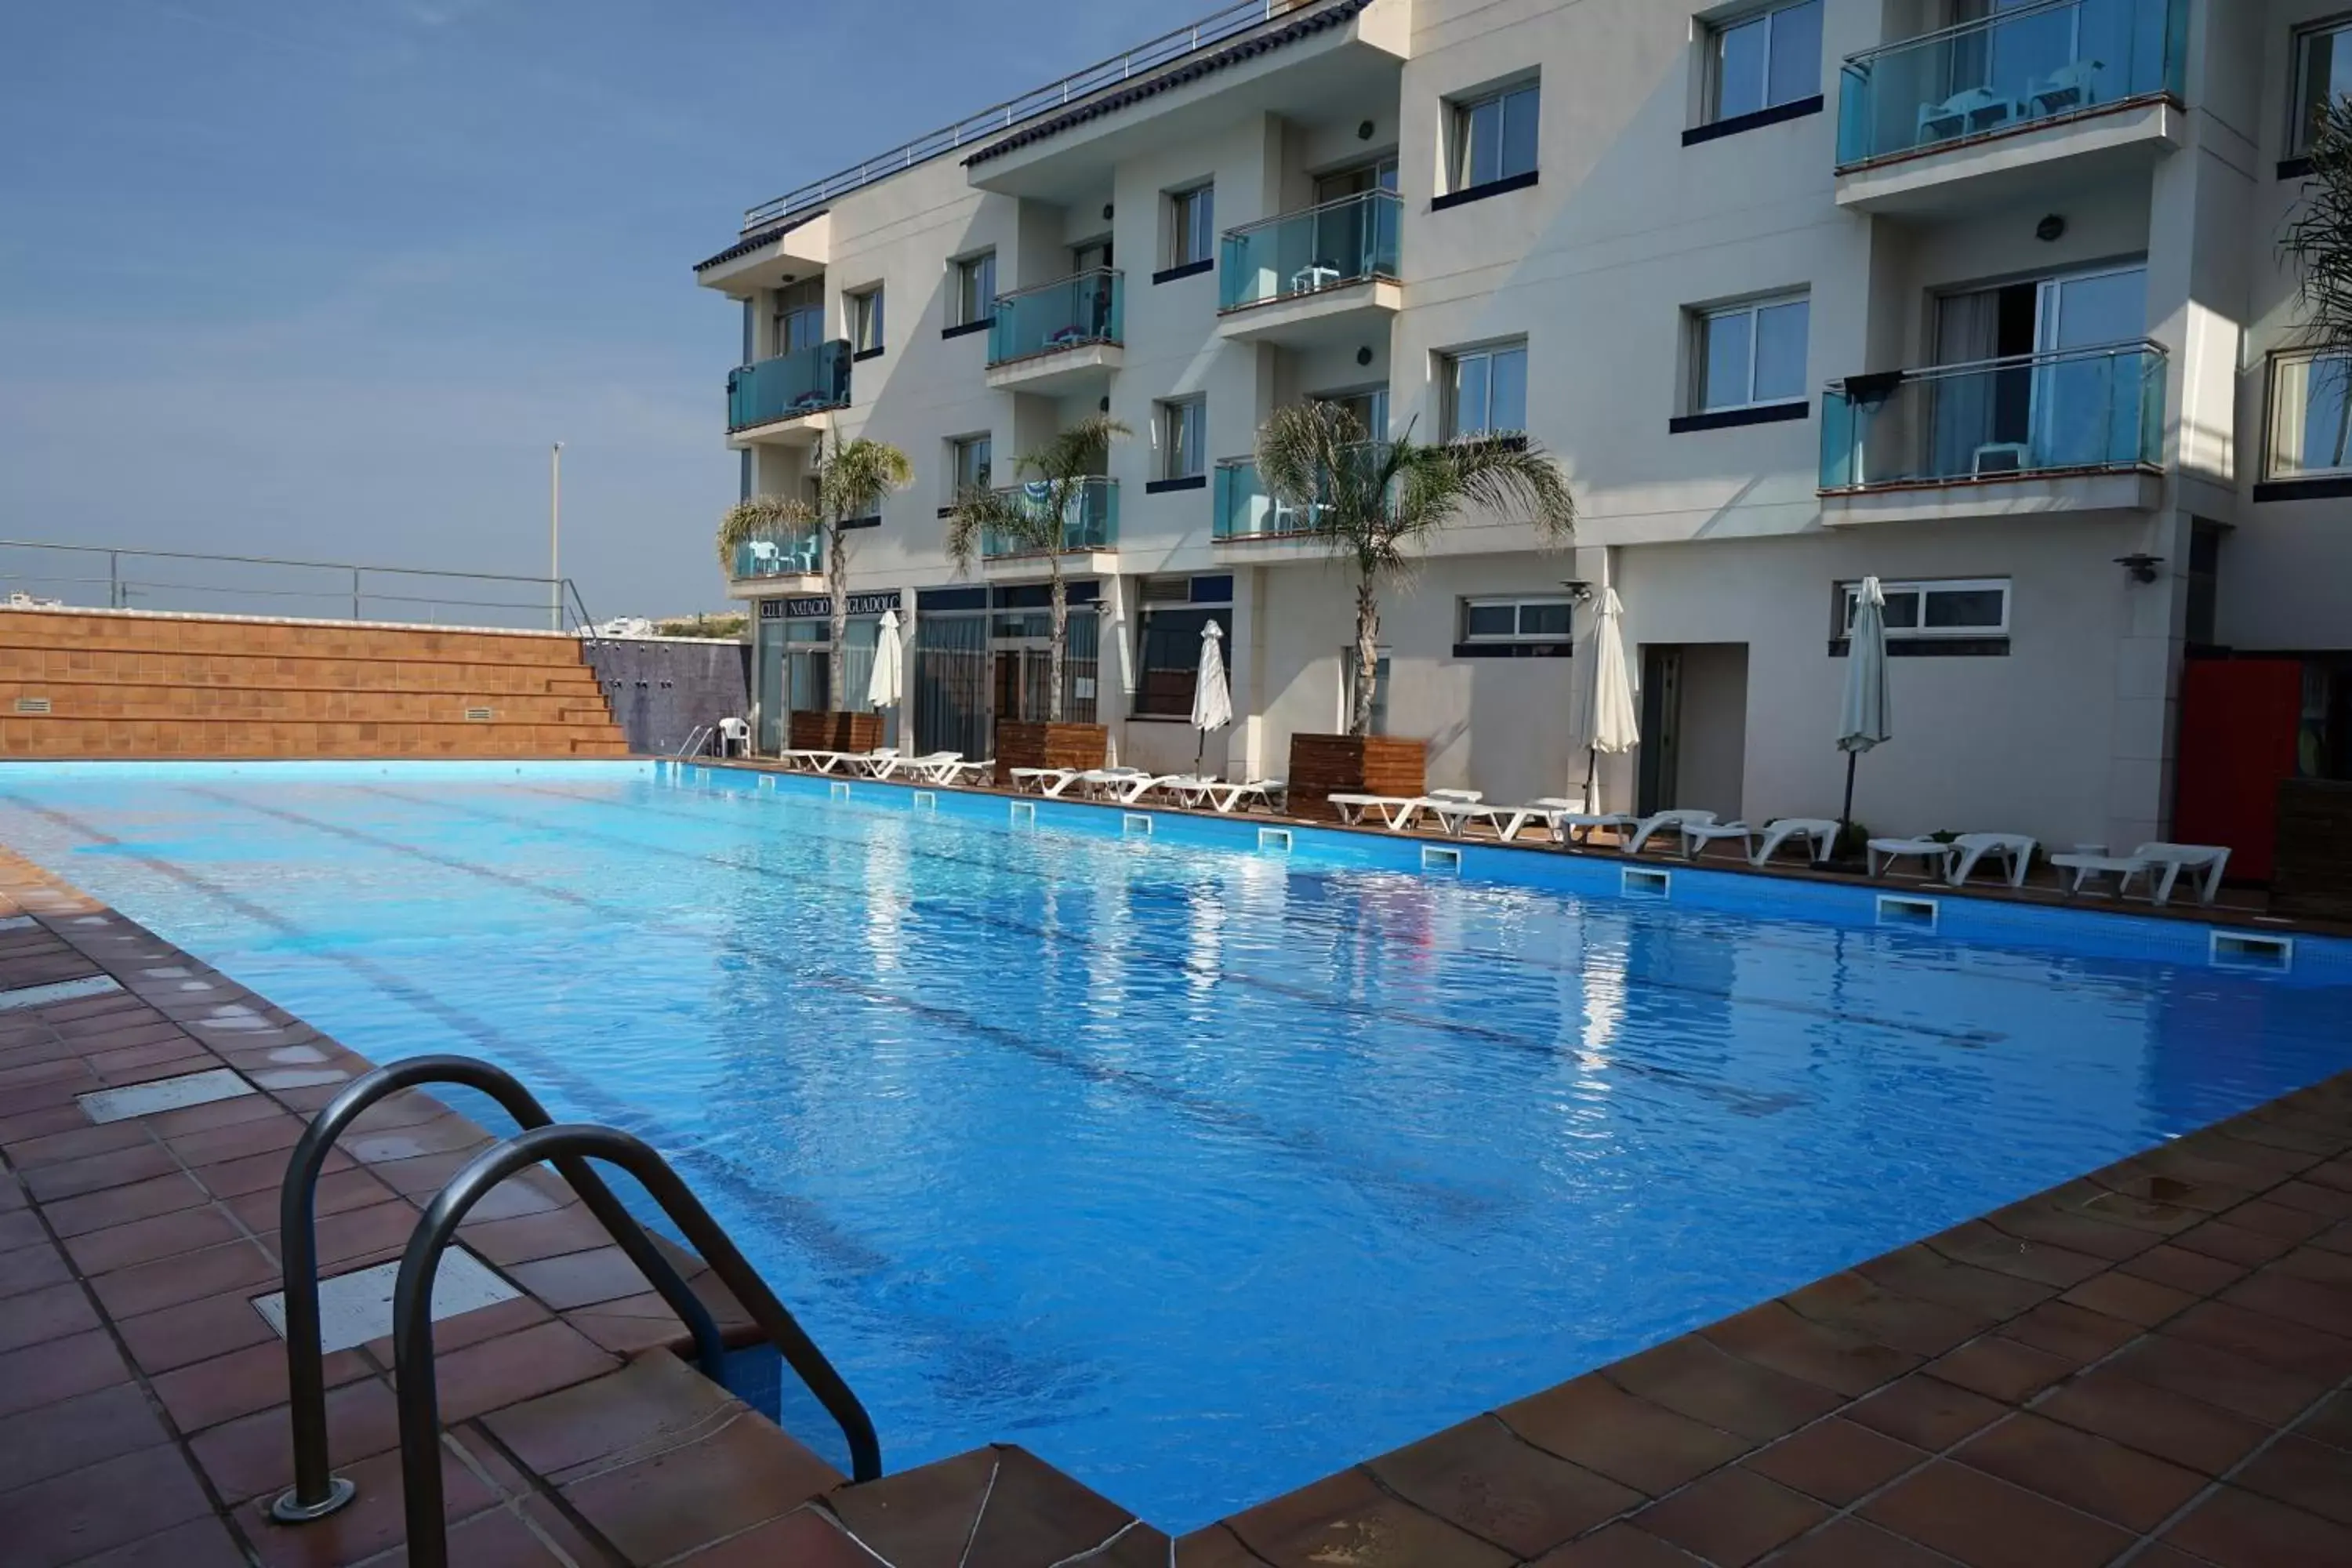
<point>2140,568</point>
<point>1364,354</point>
<point>1579,590</point>
<point>2051,229</point>
<point>1364,131</point>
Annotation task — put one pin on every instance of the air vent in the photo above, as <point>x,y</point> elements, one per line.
<point>926,800</point>
<point>1167,590</point>
<point>1275,838</point>
<point>1135,825</point>
<point>1434,859</point>
<point>837,790</point>
<point>477,715</point>
<point>1911,914</point>
<point>32,705</point>
<point>2252,950</point>
<point>767,781</point>
<point>1024,814</point>
<point>1640,882</point>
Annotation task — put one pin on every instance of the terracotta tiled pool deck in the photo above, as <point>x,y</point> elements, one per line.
<point>2151,1364</point>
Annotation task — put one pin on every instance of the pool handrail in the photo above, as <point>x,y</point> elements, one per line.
<point>412,1317</point>
<point>317,1490</point>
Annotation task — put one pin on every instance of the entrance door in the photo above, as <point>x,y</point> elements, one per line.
<point>1695,728</point>
<point>1660,752</point>
<point>2240,725</point>
<point>2082,417</point>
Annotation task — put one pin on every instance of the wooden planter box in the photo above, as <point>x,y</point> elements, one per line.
<point>1021,743</point>
<point>853,732</point>
<point>1324,765</point>
<point>2311,873</point>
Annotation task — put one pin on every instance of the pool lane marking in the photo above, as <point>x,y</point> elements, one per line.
<point>1743,1100</point>
<point>1366,1176</point>
<point>1645,920</point>
<point>955,1349</point>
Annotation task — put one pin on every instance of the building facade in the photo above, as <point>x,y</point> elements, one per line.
<point>1982,298</point>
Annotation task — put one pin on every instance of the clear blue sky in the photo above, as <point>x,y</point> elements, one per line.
<point>324,278</point>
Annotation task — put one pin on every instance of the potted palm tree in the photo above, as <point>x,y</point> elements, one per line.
<point>852,479</point>
<point>1033,520</point>
<point>1374,505</point>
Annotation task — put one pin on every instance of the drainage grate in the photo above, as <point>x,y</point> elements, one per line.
<point>1641,882</point>
<point>1912,914</point>
<point>32,705</point>
<point>1277,838</point>
<point>1135,825</point>
<point>1433,858</point>
<point>1024,813</point>
<point>478,715</point>
<point>925,800</point>
<point>2251,950</point>
<point>355,1308</point>
<point>105,1105</point>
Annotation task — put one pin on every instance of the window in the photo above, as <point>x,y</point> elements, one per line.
<point>1752,354</point>
<point>1183,438</point>
<point>1765,60</point>
<point>1544,620</point>
<point>1962,608</point>
<point>865,321</point>
<point>1486,391</point>
<point>975,278</point>
<point>799,321</point>
<point>2323,72</point>
<point>968,464</point>
<point>1191,225</point>
<point>1168,638</point>
<point>1494,137</point>
<point>1380,725</point>
<point>2311,416</point>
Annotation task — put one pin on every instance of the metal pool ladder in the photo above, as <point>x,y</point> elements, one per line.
<point>317,1491</point>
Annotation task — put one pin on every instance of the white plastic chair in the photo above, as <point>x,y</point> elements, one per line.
<point>734,738</point>
<point>1965,113</point>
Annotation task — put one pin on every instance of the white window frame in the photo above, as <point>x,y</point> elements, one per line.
<point>865,319</point>
<point>959,446</point>
<point>1173,413</point>
<point>1849,594</point>
<point>1518,604</point>
<point>1703,324</point>
<point>1769,18</point>
<point>965,270</point>
<point>1450,362</point>
<point>1191,219</point>
<point>1461,147</point>
<point>2298,122</point>
<point>2278,430</point>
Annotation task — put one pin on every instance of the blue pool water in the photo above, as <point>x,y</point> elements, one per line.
<point>1199,1169</point>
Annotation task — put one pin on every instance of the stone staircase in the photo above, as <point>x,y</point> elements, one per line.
<point>129,683</point>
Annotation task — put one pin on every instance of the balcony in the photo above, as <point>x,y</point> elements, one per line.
<point>1245,513</point>
<point>1309,277</point>
<point>786,563</point>
<point>1089,527</point>
<point>1061,337</point>
<point>779,400</point>
<point>2011,106</point>
<point>2077,430</point>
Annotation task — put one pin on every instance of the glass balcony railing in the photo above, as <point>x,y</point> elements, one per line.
<point>787,555</point>
<point>805,381</point>
<point>1346,241</point>
<point>1089,521</point>
<point>1244,509</point>
<point>2009,71</point>
<point>1084,308</point>
<point>2095,409</point>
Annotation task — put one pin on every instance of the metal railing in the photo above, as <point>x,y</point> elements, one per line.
<point>112,577</point>
<point>317,1490</point>
<point>803,381</point>
<point>1244,508</point>
<point>2009,71</point>
<point>412,1316</point>
<point>1162,50</point>
<point>793,553</point>
<point>1089,519</point>
<point>2077,410</point>
<point>1068,313</point>
<point>1349,241</point>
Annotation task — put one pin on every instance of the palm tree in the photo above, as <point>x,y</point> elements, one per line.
<point>1375,503</point>
<point>2320,238</point>
<point>756,517</point>
<point>1036,524</point>
<point>852,479</point>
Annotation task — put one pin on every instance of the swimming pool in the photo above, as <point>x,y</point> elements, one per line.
<point>1198,1163</point>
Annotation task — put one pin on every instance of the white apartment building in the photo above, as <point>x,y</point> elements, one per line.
<point>1983,298</point>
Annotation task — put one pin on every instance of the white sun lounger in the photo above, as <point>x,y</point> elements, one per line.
<point>1667,821</point>
<point>1697,836</point>
<point>1129,790</point>
<point>1455,816</point>
<point>959,771</point>
<point>1881,854</point>
<point>1395,811</point>
<point>1817,833</point>
<point>889,767</point>
<point>1567,825</point>
<point>818,762</point>
<point>1043,780</point>
<point>1100,783</point>
<point>2014,851</point>
<point>2160,864</point>
<point>1225,799</point>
